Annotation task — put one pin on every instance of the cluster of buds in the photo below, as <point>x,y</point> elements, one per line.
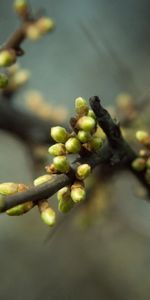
<point>82,138</point>
<point>37,29</point>
<point>142,162</point>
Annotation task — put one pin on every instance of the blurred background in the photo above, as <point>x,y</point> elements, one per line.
<point>99,47</point>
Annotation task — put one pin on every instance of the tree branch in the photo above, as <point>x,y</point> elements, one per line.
<point>116,147</point>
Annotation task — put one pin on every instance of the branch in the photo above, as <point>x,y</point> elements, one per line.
<point>116,147</point>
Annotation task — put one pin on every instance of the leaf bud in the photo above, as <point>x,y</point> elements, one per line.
<point>42,179</point>
<point>95,143</point>
<point>64,198</point>
<point>57,149</point>
<point>83,136</point>
<point>32,32</point>
<point>61,164</point>
<point>73,145</point>
<point>8,188</point>
<point>20,209</point>
<point>138,164</point>
<point>59,134</point>
<point>47,214</point>
<point>91,114</point>
<point>81,106</point>
<point>86,123</point>
<point>45,25</point>
<point>7,58</point>
<point>78,193</point>
<point>20,6</point>
<point>83,171</point>
<point>143,137</point>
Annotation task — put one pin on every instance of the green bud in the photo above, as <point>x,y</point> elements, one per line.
<point>7,58</point>
<point>73,145</point>
<point>20,209</point>
<point>59,134</point>
<point>61,164</point>
<point>45,25</point>
<point>86,123</point>
<point>147,176</point>
<point>83,136</point>
<point>81,106</point>
<point>42,179</point>
<point>83,171</point>
<point>96,143</point>
<point>91,114</point>
<point>57,149</point>
<point>47,214</point>
<point>143,137</point>
<point>20,6</point>
<point>63,194</point>
<point>138,164</point>
<point>148,163</point>
<point>78,194</point>
<point>8,188</point>
<point>64,198</point>
<point>3,81</point>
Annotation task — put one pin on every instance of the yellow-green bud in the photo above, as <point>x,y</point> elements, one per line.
<point>45,25</point>
<point>42,179</point>
<point>63,194</point>
<point>20,6</point>
<point>81,106</point>
<point>148,163</point>
<point>147,176</point>
<point>7,58</point>
<point>143,137</point>
<point>86,123</point>
<point>91,114</point>
<point>32,32</point>
<point>83,171</point>
<point>8,188</point>
<point>47,214</point>
<point>73,145</point>
<point>59,134</point>
<point>57,149</point>
<point>138,164</point>
<point>78,194</point>
<point>64,198</point>
<point>95,143</point>
<point>3,81</point>
<point>20,209</point>
<point>61,164</point>
<point>83,136</point>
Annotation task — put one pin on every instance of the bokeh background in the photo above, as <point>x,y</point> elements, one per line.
<point>99,47</point>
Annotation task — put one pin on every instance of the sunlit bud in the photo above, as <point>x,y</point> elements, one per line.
<point>147,176</point>
<point>59,134</point>
<point>144,153</point>
<point>20,209</point>
<point>47,214</point>
<point>7,58</point>
<point>83,136</point>
<point>8,188</point>
<point>91,114</point>
<point>73,145</point>
<point>81,106</point>
<point>45,25</point>
<point>86,123</point>
<point>61,164</point>
<point>78,193</point>
<point>20,6</point>
<point>95,143</point>
<point>143,137</point>
<point>32,32</point>
<point>138,164</point>
<point>3,81</point>
<point>148,163</point>
<point>42,179</point>
<point>57,149</point>
<point>83,171</point>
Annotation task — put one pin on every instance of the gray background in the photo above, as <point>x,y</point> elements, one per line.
<point>98,47</point>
